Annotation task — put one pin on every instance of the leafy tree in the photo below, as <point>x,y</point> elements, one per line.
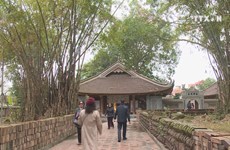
<point>44,43</point>
<point>208,32</point>
<point>99,62</point>
<point>177,96</point>
<point>141,41</point>
<point>205,84</point>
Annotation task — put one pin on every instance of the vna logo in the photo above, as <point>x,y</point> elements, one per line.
<point>203,18</point>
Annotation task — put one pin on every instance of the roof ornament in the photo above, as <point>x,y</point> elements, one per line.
<point>118,70</point>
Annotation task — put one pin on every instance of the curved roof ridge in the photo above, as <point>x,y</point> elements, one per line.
<point>133,73</point>
<point>98,74</point>
<point>112,68</point>
<point>154,81</point>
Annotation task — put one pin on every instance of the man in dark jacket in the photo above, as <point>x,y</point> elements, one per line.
<point>76,115</point>
<point>122,114</point>
<point>110,115</point>
<point>189,106</point>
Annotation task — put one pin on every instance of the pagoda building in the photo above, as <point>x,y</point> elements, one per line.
<point>116,83</point>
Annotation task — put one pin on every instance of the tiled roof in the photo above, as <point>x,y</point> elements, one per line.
<point>196,83</point>
<point>212,90</point>
<point>118,80</point>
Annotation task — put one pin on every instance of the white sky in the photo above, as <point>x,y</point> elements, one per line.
<point>193,65</point>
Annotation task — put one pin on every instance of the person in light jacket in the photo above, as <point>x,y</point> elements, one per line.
<point>91,125</point>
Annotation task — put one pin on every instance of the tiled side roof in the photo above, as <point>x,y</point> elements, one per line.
<point>212,90</point>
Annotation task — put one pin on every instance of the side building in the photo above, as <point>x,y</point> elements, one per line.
<point>206,99</point>
<point>211,96</point>
<point>116,83</point>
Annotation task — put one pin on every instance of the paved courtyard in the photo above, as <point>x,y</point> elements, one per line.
<point>137,139</point>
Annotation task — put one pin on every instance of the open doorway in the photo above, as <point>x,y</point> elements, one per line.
<point>195,104</point>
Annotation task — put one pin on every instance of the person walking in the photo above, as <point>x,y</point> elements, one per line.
<point>122,114</point>
<point>91,124</point>
<point>189,105</point>
<point>110,116</point>
<point>76,115</point>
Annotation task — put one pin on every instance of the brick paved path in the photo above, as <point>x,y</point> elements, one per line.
<point>137,140</point>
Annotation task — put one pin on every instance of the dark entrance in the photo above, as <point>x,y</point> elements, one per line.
<point>141,102</point>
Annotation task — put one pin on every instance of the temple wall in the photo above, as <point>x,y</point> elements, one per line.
<point>181,103</point>
<point>153,102</point>
<point>210,103</point>
<point>176,104</point>
<point>178,136</point>
<point>36,135</point>
<point>156,102</point>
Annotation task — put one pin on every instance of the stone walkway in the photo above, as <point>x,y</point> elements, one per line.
<point>137,139</point>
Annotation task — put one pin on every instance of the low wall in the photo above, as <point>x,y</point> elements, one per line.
<point>36,135</point>
<point>178,136</point>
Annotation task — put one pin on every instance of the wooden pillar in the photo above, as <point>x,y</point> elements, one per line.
<point>101,104</point>
<point>130,103</point>
<point>134,104</point>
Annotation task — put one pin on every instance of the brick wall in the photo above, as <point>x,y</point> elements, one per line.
<point>177,136</point>
<point>36,135</point>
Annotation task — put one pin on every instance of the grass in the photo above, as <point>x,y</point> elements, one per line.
<point>210,122</point>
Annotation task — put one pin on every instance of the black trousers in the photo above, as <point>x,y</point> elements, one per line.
<point>119,126</point>
<point>79,134</point>
<point>110,122</point>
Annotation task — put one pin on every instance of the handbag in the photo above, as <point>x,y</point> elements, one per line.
<point>75,120</point>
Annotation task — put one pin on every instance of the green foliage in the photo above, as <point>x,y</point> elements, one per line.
<point>16,115</point>
<point>219,112</point>
<point>16,91</point>
<point>177,96</point>
<point>205,84</point>
<point>207,32</point>
<point>11,100</point>
<point>142,42</point>
<point>44,43</point>
<point>101,61</point>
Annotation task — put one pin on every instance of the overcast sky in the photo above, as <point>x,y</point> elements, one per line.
<point>193,65</point>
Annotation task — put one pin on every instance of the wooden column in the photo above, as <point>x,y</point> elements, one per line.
<point>101,104</point>
<point>130,103</point>
<point>134,104</point>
